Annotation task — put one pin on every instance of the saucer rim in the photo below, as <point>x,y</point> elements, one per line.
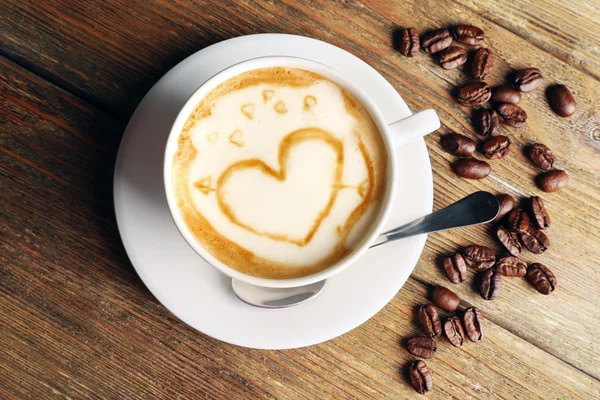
<point>283,39</point>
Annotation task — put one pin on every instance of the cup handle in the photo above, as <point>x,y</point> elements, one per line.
<point>414,126</point>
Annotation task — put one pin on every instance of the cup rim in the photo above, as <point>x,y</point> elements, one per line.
<point>328,73</point>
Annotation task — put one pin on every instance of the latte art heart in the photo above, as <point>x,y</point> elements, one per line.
<point>279,173</point>
<point>273,203</point>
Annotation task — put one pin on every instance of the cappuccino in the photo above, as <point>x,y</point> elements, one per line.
<point>279,173</point>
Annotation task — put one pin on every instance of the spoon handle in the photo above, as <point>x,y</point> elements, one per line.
<point>474,209</point>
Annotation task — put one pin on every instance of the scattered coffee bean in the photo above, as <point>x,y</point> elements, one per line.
<point>410,43</point>
<point>453,57</point>
<point>510,240</point>
<point>468,34</point>
<point>541,219</point>
<point>483,61</point>
<point>454,330</point>
<point>552,181</point>
<point>455,267</point>
<point>507,203</point>
<point>421,346</point>
<point>479,258</point>
<point>485,121</point>
<point>541,156</point>
<point>541,278</point>
<point>445,299</point>
<point>430,320</point>
<point>496,147</point>
<point>517,220</point>
<point>519,229</point>
<point>470,168</point>
<point>473,324</point>
<point>491,282</point>
<point>561,100</point>
<point>511,115</point>
<point>474,94</point>
<point>528,79</point>
<point>505,94</point>
<point>420,377</point>
<point>534,240</point>
<point>511,266</point>
<point>436,40</point>
<point>458,145</point>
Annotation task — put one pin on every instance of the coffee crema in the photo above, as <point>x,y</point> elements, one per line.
<point>279,173</point>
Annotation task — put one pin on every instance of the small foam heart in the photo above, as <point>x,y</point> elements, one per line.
<point>309,102</point>
<point>237,138</point>
<point>268,94</point>
<point>213,137</point>
<point>248,110</point>
<point>280,107</point>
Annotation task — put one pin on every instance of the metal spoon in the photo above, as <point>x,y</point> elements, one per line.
<point>477,208</point>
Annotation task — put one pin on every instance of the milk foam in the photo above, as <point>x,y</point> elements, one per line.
<point>282,171</point>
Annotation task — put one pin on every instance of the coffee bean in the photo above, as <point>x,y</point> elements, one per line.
<point>409,43</point>
<point>453,57</point>
<point>491,282</point>
<point>505,94</point>
<point>541,278</point>
<point>454,330</point>
<point>470,168</point>
<point>517,220</point>
<point>528,79</point>
<point>455,267</point>
<point>510,240</point>
<point>561,100</point>
<point>541,219</point>
<point>507,203</point>
<point>473,324</point>
<point>485,121</point>
<point>436,40</point>
<point>496,147</point>
<point>458,145</point>
<point>430,320</point>
<point>468,34</point>
<point>511,266</point>
<point>534,240</point>
<point>541,156</point>
<point>552,181</point>
<point>483,61</point>
<point>421,346</point>
<point>445,299</point>
<point>420,377</point>
<point>474,94</point>
<point>479,258</point>
<point>511,115</point>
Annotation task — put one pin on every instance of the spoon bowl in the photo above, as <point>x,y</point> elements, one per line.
<point>264,297</point>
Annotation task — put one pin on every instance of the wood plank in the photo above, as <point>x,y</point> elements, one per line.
<point>75,44</point>
<point>567,30</point>
<point>75,316</point>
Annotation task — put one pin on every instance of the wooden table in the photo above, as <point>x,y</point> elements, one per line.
<point>75,320</point>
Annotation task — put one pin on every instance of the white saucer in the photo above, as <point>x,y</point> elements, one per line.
<point>200,295</point>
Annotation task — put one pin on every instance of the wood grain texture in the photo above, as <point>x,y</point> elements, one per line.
<point>76,322</point>
<point>567,30</point>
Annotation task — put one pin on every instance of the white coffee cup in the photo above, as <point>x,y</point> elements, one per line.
<point>394,135</point>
